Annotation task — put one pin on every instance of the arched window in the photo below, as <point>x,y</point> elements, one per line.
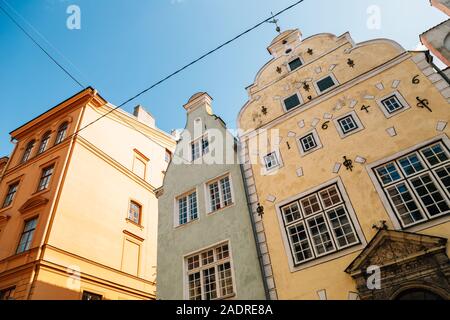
<point>418,294</point>
<point>62,131</point>
<point>28,150</point>
<point>44,142</point>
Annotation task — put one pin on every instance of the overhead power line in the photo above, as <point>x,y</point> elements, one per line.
<point>40,47</point>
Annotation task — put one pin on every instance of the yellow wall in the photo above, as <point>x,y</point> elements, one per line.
<point>413,126</point>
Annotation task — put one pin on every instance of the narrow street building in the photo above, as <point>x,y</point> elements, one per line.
<point>78,211</point>
<point>206,244</point>
<point>347,145</point>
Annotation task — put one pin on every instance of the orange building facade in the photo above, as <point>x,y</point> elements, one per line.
<point>78,211</point>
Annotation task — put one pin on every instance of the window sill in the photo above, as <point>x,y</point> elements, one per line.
<point>228,296</point>
<point>6,208</point>
<point>38,193</point>
<point>180,226</point>
<point>221,209</point>
<point>134,223</point>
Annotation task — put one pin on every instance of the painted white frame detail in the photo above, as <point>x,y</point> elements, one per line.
<point>176,214</point>
<point>356,119</point>
<point>209,209</point>
<point>317,141</point>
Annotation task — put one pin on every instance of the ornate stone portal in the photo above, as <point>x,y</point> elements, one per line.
<point>407,263</point>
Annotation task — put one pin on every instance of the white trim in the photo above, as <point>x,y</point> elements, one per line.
<point>400,98</point>
<point>316,139</point>
<point>264,170</point>
<point>332,76</point>
<point>380,189</point>
<point>331,256</point>
<point>357,122</point>
<point>176,213</point>
<point>208,196</point>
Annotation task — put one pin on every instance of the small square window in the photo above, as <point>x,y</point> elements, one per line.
<point>392,104</point>
<point>308,142</point>
<point>348,124</point>
<point>295,64</point>
<point>291,102</point>
<point>325,84</point>
<point>271,161</point>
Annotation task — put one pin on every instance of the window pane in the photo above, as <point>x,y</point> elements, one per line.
<point>205,145</point>
<point>348,124</point>
<point>214,196</point>
<point>431,197</point>
<point>330,196</point>
<point>44,142</point>
<point>271,160</point>
<point>226,191</point>
<point>91,296</point>
<point>45,179</point>
<point>193,212</point>
<point>209,280</point>
<point>207,257</point>
<point>27,153</point>
<point>27,236</point>
<point>435,154</point>
<point>7,294</point>
<point>10,195</point>
<point>308,142</point>
<point>392,104</point>
<point>404,204</point>
<point>195,146</point>
<point>182,210</point>
<point>411,164</point>
<point>294,64</point>
<point>310,205</point>
<point>300,242</point>
<point>342,228</point>
<point>320,235</point>
<point>195,287</point>
<point>291,102</point>
<point>291,213</point>
<point>444,176</point>
<point>325,83</point>
<point>193,262</point>
<point>226,280</point>
<point>61,135</point>
<point>388,173</point>
<point>222,252</point>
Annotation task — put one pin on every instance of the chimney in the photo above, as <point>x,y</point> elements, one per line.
<point>200,100</point>
<point>144,116</point>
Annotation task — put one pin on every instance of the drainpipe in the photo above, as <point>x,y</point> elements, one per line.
<point>430,58</point>
<point>255,235</point>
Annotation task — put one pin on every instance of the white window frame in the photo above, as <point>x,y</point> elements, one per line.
<point>300,98</point>
<point>293,266</point>
<point>356,119</point>
<point>264,169</point>
<point>187,272</point>
<point>332,76</point>
<point>177,209</point>
<point>209,210</point>
<point>199,141</point>
<point>316,140</point>
<point>396,221</point>
<point>292,59</point>
<point>400,99</point>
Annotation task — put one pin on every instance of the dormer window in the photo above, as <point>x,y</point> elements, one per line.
<point>27,153</point>
<point>295,64</point>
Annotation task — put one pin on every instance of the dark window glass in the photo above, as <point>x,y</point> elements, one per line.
<point>10,195</point>
<point>91,296</point>
<point>44,142</point>
<point>325,84</point>
<point>294,64</point>
<point>45,178</point>
<point>62,131</point>
<point>291,102</point>
<point>27,153</point>
<point>27,235</point>
<point>7,294</point>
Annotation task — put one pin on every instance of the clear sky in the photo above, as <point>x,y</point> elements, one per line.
<point>124,46</point>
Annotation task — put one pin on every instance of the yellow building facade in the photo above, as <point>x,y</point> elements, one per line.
<point>346,155</point>
<point>78,217</point>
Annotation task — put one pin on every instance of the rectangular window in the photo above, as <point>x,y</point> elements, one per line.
<point>417,184</point>
<point>200,147</point>
<point>318,224</point>
<point>91,296</point>
<point>46,176</point>
<point>134,213</point>
<point>308,142</point>
<point>295,64</point>
<point>187,208</point>
<point>27,235</point>
<point>348,124</point>
<point>220,195</point>
<point>392,104</point>
<point>7,294</point>
<point>291,102</point>
<point>271,161</point>
<point>325,84</point>
<point>209,274</point>
<point>12,190</point>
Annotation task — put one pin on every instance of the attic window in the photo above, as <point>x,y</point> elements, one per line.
<point>288,51</point>
<point>292,102</point>
<point>326,84</point>
<point>295,64</point>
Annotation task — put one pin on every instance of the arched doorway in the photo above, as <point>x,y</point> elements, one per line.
<point>418,294</point>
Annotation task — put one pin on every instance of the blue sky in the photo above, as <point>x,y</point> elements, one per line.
<point>124,46</point>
